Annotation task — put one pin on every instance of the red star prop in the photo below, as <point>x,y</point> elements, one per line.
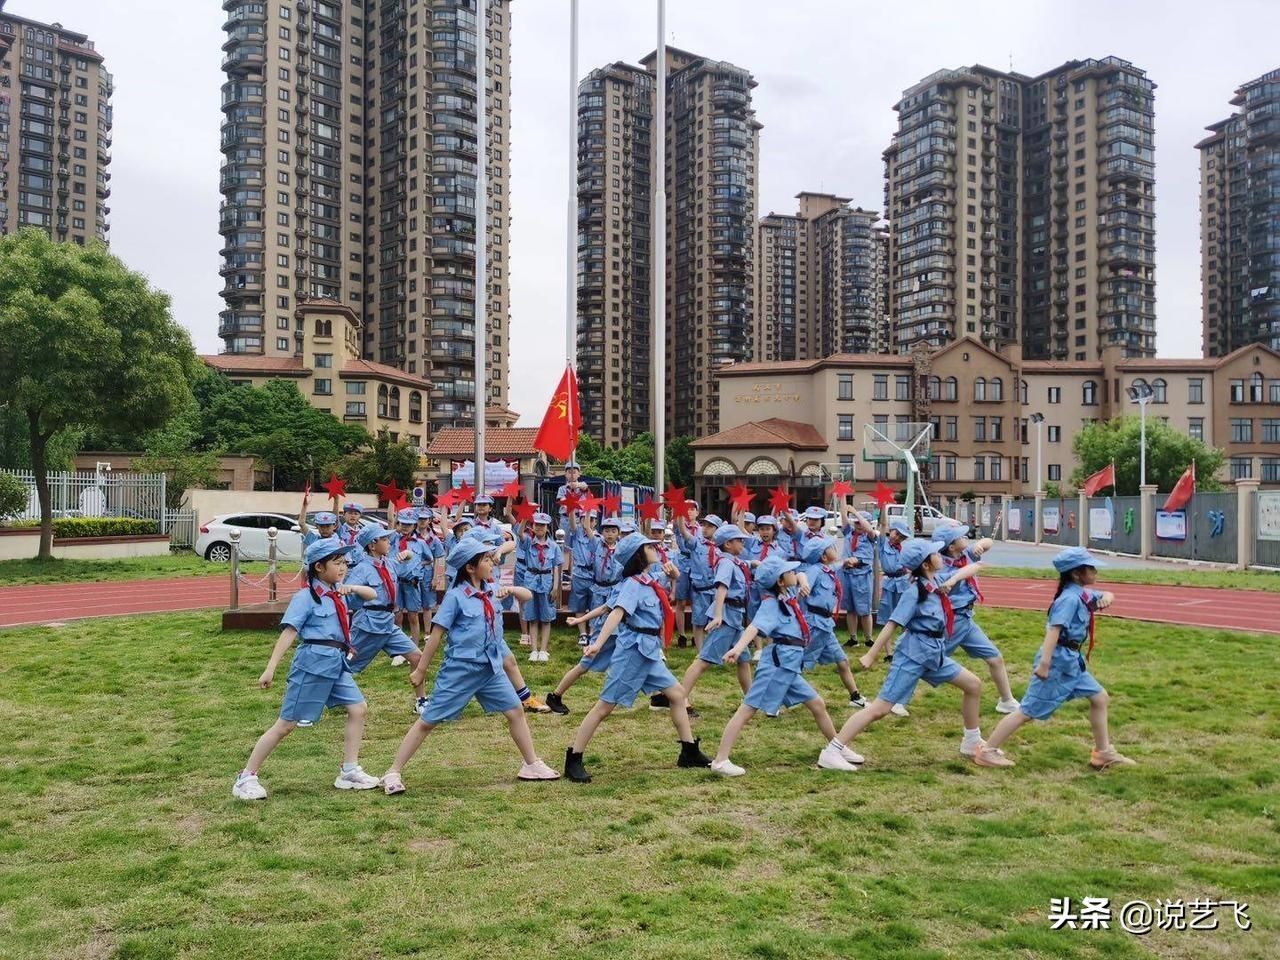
<point>465,493</point>
<point>611,505</point>
<point>779,500</point>
<point>399,503</point>
<point>446,499</point>
<point>524,511</point>
<point>572,501</point>
<point>389,492</point>
<point>673,498</point>
<point>335,488</point>
<point>591,503</point>
<point>883,494</point>
<point>740,496</point>
<point>511,491</point>
<point>841,489</point>
<point>649,509</point>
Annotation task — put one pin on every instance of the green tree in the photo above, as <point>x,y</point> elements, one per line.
<point>384,459</point>
<point>84,344</point>
<point>1169,453</point>
<point>679,462</point>
<point>13,496</point>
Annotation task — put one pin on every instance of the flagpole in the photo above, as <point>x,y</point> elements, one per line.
<point>658,259</point>
<point>482,268</point>
<point>571,220</point>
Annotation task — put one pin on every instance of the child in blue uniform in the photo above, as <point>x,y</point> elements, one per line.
<point>859,569</point>
<point>473,663</point>
<point>702,557</point>
<point>924,614</point>
<point>319,675</point>
<point>457,532</point>
<point>581,579</point>
<point>766,544</point>
<point>822,606</point>
<point>731,582</point>
<point>409,573</point>
<point>431,548</point>
<point>643,622</point>
<point>1061,673</point>
<point>894,576</point>
<point>664,570</point>
<point>957,554</point>
<point>326,524</point>
<point>778,682</point>
<point>373,622</point>
<point>683,529</point>
<point>542,578</point>
<point>519,576</point>
<point>350,526</point>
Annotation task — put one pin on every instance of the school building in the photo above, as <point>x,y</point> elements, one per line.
<point>801,423</point>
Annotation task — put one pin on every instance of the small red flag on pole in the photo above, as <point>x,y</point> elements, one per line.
<point>558,435</point>
<point>1180,496</point>
<point>1106,477</point>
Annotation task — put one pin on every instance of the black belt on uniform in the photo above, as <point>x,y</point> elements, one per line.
<point>735,602</point>
<point>605,583</point>
<point>410,579</point>
<point>707,589</point>
<point>537,570</point>
<point>651,631</point>
<point>931,634</point>
<point>377,607</point>
<point>336,644</point>
<point>819,610</point>
<point>1070,644</point>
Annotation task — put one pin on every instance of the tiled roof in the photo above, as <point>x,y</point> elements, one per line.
<point>498,441</point>
<point>889,360</point>
<point>1065,366</point>
<point>251,363</point>
<point>367,368</point>
<point>773,432</point>
<point>1166,363</point>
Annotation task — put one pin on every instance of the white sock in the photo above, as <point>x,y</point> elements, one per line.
<point>835,744</point>
<point>972,736</point>
<point>349,767</point>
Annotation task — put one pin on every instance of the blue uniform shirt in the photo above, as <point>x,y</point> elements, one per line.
<point>890,559</point>
<point>316,621</point>
<point>473,634</point>
<point>366,574</point>
<point>583,547</point>
<point>643,609</point>
<point>1071,610</point>
<point>864,549</point>
<point>824,594</point>
<point>605,568</point>
<point>731,573</point>
<point>542,558</point>
<point>776,620</point>
<point>963,595</point>
<point>656,572</point>
<point>347,534</point>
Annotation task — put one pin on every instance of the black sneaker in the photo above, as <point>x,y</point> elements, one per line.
<point>857,701</point>
<point>659,701</point>
<point>888,658</point>
<point>556,704</point>
<point>691,756</point>
<point>574,768</point>
<point>869,643</point>
<point>682,641</point>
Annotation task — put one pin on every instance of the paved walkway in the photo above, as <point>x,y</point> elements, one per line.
<point>1251,610</point>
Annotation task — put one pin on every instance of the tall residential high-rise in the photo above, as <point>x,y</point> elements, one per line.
<point>55,131</point>
<point>1022,210</point>
<point>712,144</point>
<point>349,175</point>
<point>818,291</point>
<point>1240,222</point>
<point>882,319</point>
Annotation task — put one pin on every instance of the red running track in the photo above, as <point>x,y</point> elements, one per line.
<point>1248,610</point>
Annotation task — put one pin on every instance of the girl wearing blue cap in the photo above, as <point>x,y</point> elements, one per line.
<point>925,617</point>
<point>326,524</point>
<point>473,665</point>
<point>858,568</point>
<point>409,573</point>
<point>894,576</point>
<point>822,606</point>
<point>731,580</point>
<point>643,621</point>
<point>702,562</point>
<point>431,549</point>
<point>350,526</point>
<point>683,529</point>
<point>542,577</point>
<point>778,682</point>
<point>1061,673</point>
<point>373,622</point>
<point>581,579</point>
<point>319,675</point>
<point>958,552</point>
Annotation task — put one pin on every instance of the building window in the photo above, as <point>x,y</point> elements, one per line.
<point>997,389</point>
<point>1241,430</point>
<point>1055,394</point>
<point>844,386</point>
<point>880,387</point>
<point>1195,428</point>
<point>1195,390</point>
<point>282,343</point>
<point>1159,390</point>
<point>1089,393</point>
<point>355,388</point>
<point>951,429</point>
<point>980,428</point>
<point>1022,392</point>
<point>1274,387</point>
<point>324,388</point>
<point>844,426</point>
<point>997,468</point>
<point>881,470</point>
<point>980,389</point>
<point>933,388</point>
<point>355,408</point>
<point>979,468</point>
<point>324,360</point>
<point>1055,434</point>
<point>1271,469</point>
<point>951,389</point>
<point>1241,468</point>
<point>1237,391</point>
<point>1255,388</point>
<point>902,388</point>
<point>1055,472</point>
<point>997,430</point>
<point>1271,430</point>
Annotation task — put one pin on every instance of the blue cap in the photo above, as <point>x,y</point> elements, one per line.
<point>917,550</point>
<point>371,532</point>
<point>769,572</point>
<point>1073,557</point>
<point>865,515</point>
<point>813,549</point>
<point>615,522</point>
<point>326,519</point>
<point>712,519</point>
<point>352,506</point>
<point>626,526</point>
<point>324,549</point>
<point>658,525</point>
<point>815,513</point>
<point>628,546</point>
<point>766,521</point>
<point>541,518</point>
<point>572,463</point>
<point>492,537</point>
<point>483,498</point>
<point>467,549</point>
<point>950,533</point>
<point>407,515</point>
<point>748,517</point>
<point>729,532</point>
<point>425,513</point>
<point>468,518</point>
<point>898,525</point>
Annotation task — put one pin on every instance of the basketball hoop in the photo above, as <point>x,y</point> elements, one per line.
<point>907,442</point>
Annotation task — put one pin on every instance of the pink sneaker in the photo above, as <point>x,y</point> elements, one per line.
<point>537,771</point>
<point>986,756</point>
<point>392,784</point>
<point>1111,757</point>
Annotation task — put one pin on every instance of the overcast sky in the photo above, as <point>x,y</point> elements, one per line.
<point>829,72</point>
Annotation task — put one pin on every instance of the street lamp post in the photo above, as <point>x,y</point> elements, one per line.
<point>1141,394</point>
<point>1038,420</point>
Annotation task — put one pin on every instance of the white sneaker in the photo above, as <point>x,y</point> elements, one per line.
<point>248,788</point>
<point>755,657</point>
<point>582,640</point>
<point>356,779</point>
<point>727,768</point>
<point>546,656</point>
<point>970,747</point>
<point>832,759</point>
<point>537,771</point>
<point>421,704</point>
<point>852,756</point>
<point>533,656</point>
<point>899,710</point>
<point>398,661</point>
<point>858,702</point>
<point>1007,706</point>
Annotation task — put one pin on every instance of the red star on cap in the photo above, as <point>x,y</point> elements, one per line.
<point>740,496</point>
<point>511,491</point>
<point>779,500</point>
<point>524,511</point>
<point>883,494</point>
<point>389,492</point>
<point>611,505</point>
<point>842,488</point>
<point>335,488</point>
<point>649,509</point>
<point>673,497</point>
<point>465,493</point>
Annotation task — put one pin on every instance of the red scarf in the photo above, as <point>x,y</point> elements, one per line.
<point>490,617</point>
<point>853,540</point>
<point>712,557</point>
<point>608,558</point>
<point>973,581</point>
<point>764,549</point>
<point>351,534</point>
<point>542,553</point>
<point>662,555</point>
<point>344,619</point>
<point>668,612</point>
<point>746,570</point>
<point>1092,638</point>
<point>948,612</point>
<point>794,604</point>
<point>839,589</point>
<point>388,581</point>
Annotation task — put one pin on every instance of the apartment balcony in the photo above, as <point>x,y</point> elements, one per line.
<point>1123,168</point>
<point>240,11</point>
<point>245,57</point>
<point>231,324</point>
<point>242,134</point>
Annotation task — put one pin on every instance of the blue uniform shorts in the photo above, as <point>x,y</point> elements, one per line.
<point>307,694</point>
<point>970,638</point>
<point>719,642</point>
<point>459,681</point>
<point>1069,679</point>
<point>539,609</point>
<point>601,662</point>
<point>702,600</point>
<point>823,647</point>
<point>426,595</point>
<point>857,591</point>
<point>684,590</point>
<point>632,673</point>
<point>579,595</point>
<point>368,645</point>
<point>409,595</point>
<point>904,674</point>
<point>778,682</point>
<point>890,592</point>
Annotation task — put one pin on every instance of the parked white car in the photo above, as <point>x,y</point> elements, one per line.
<point>214,541</point>
<point>927,519</point>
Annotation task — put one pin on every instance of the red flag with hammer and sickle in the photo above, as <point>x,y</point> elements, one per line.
<point>558,435</point>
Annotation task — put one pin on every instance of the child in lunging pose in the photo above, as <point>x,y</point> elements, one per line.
<point>822,606</point>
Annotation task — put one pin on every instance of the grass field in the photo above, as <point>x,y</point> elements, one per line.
<point>181,564</point>
<point>119,837</point>
<point>1176,576</point>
